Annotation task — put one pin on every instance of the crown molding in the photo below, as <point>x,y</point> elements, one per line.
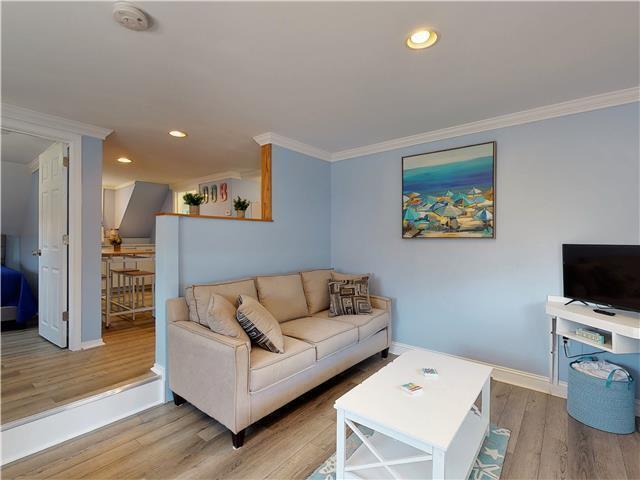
<point>291,144</point>
<point>585,104</point>
<point>45,120</point>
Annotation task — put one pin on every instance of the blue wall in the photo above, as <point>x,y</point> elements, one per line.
<point>91,218</point>
<point>569,179</point>
<point>203,250</point>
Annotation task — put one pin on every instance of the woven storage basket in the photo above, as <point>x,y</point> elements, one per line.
<point>603,404</point>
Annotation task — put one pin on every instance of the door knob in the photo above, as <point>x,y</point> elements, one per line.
<point>37,252</point>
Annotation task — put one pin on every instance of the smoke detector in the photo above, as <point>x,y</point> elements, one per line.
<point>130,16</point>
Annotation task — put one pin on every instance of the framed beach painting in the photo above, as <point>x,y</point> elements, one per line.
<point>450,193</point>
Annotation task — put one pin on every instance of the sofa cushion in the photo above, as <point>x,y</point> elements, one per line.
<point>283,296</point>
<point>221,318</point>
<point>316,289</point>
<point>198,296</point>
<point>367,325</point>
<point>349,297</point>
<point>262,328</point>
<point>328,336</point>
<point>268,368</point>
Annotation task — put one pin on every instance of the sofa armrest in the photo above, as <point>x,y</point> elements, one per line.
<point>211,371</point>
<point>383,303</point>
<point>177,309</point>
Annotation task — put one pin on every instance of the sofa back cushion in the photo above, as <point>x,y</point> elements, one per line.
<point>316,289</point>
<point>283,296</point>
<point>261,327</point>
<point>198,296</point>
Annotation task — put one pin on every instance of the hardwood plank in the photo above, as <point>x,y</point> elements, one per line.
<point>553,457</point>
<point>525,459</point>
<point>181,442</point>
<point>37,375</point>
<point>630,448</point>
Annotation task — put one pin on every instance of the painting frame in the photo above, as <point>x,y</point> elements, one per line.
<point>407,234</point>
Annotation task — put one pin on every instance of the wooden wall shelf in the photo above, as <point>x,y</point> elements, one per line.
<point>215,217</point>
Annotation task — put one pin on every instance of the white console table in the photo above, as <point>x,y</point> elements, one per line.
<point>623,329</point>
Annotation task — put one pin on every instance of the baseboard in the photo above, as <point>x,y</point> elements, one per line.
<point>91,344</point>
<point>520,378</point>
<point>33,434</point>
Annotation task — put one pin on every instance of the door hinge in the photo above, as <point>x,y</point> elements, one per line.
<point>65,161</point>
<point>65,239</point>
<point>65,316</point>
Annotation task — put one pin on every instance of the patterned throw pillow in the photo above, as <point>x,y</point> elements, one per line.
<point>263,329</point>
<point>349,297</point>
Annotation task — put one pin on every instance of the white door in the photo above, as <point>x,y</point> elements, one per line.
<point>52,221</point>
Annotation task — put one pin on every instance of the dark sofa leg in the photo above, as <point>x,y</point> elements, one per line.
<point>385,353</point>
<point>238,438</point>
<point>177,399</point>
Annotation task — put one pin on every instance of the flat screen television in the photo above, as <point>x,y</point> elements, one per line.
<point>603,274</point>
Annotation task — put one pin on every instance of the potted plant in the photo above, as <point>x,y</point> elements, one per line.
<point>240,205</point>
<point>116,241</point>
<point>193,200</point>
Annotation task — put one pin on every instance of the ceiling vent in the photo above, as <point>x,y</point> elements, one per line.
<point>131,17</point>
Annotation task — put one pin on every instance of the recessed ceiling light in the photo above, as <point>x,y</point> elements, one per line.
<point>422,39</point>
<point>177,133</point>
<point>124,160</point>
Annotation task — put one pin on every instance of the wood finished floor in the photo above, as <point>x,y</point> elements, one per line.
<point>37,375</point>
<point>181,442</point>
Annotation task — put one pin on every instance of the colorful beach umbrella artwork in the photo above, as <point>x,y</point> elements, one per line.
<point>411,215</point>
<point>458,196</point>
<point>484,215</point>
<point>449,193</point>
<point>463,202</point>
<point>449,211</point>
<point>430,199</point>
<point>474,191</point>
<point>437,205</point>
<point>478,199</point>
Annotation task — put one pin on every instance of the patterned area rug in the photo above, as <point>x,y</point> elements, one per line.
<point>488,465</point>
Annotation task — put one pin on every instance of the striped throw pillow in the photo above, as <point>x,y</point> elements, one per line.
<point>261,327</point>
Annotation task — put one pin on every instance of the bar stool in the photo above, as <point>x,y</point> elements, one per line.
<point>137,287</point>
<point>118,273</point>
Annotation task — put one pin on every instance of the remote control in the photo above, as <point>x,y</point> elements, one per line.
<point>604,312</point>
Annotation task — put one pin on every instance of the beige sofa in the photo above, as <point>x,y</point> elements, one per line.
<point>238,383</point>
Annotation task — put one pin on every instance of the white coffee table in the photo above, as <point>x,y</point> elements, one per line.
<point>437,434</point>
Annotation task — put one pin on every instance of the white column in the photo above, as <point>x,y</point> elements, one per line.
<point>486,404</point>
<point>438,464</point>
<point>340,451</point>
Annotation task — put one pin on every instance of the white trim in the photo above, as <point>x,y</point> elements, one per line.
<point>12,119</point>
<point>91,344</point>
<point>532,381</point>
<point>291,144</point>
<point>52,121</point>
<point>578,105</point>
<point>34,165</point>
<point>43,431</point>
<point>158,369</point>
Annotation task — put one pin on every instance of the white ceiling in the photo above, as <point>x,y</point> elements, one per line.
<point>333,75</point>
<point>21,148</point>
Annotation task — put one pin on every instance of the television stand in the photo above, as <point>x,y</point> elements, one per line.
<point>574,300</point>
<point>622,331</point>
